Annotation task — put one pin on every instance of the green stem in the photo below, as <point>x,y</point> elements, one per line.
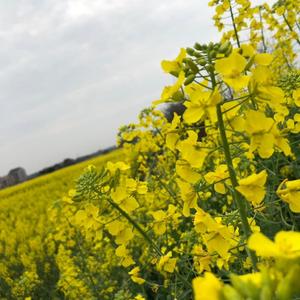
<point>240,202</point>
<point>234,26</point>
<point>262,30</point>
<point>135,225</point>
<point>145,236</point>
<point>290,27</point>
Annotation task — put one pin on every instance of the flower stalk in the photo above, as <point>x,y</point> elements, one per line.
<point>240,202</point>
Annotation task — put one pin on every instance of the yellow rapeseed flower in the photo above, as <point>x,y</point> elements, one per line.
<point>253,187</point>
<point>296,97</point>
<point>286,245</point>
<point>134,273</point>
<point>207,287</point>
<point>289,191</point>
<point>231,69</point>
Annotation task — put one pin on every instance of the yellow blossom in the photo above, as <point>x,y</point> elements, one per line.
<point>169,91</point>
<point>231,69</point>
<point>207,287</point>
<point>253,187</point>
<point>289,191</point>
<point>286,245</point>
<point>167,263</point>
<point>113,167</point>
<point>184,170</point>
<point>170,66</point>
<point>258,126</point>
<point>263,59</point>
<point>217,177</point>
<point>296,97</point>
<point>134,273</point>
<point>201,104</point>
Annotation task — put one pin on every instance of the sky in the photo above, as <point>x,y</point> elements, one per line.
<point>73,71</point>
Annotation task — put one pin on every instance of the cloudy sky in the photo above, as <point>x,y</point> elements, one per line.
<point>73,71</point>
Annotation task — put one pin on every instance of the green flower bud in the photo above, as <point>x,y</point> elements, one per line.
<point>249,64</point>
<point>217,46</point>
<point>224,47</point>
<point>229,50</point>
<point>174,73</point>
<point>193,66</point>
<point>189,79</point>
<point>201,61</point>
<point>197,54</point>
<point>213,54</point>
<point>190,51</point>
<point>197,46</point>
<point>210,68</point>
<point>178,96</point>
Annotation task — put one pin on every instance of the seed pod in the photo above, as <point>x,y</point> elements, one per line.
<point>189,79</point>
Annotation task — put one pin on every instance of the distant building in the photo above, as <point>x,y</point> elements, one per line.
<point>18,174</point>
<point>14,176</point>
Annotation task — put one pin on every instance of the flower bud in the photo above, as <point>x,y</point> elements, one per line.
<point>229,50</point>
<point>190,51</point>
<point>193,66</point>
<point>224,47</point>
<point>189,79</point>
<point>197,46</point>
<point>213,54</point>
<point>174,73</point>
<point>201,61</point>
<point>210,46</point>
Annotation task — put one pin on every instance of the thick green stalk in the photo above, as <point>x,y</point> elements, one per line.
<point>240,202</point>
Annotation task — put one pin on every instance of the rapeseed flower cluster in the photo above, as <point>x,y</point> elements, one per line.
<point>204,205</point>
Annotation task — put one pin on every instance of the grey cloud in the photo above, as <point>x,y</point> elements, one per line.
<point>70,78</point>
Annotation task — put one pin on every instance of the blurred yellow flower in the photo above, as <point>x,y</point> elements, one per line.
<point>286,245</point>
<point>207,287</point>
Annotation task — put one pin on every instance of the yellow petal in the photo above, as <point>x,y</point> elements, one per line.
<point>263,246</point>
<point>207,287</point>
<point>263,59</point>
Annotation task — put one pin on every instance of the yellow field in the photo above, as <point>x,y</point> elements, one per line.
<point>56,183</point>
<point>25,257</point>
<point>203,207</point>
